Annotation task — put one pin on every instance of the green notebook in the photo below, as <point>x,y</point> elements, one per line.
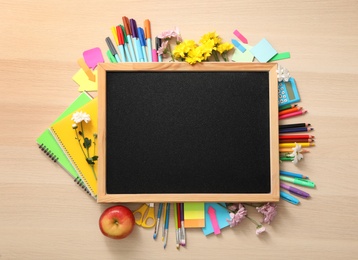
<point>48,144</point>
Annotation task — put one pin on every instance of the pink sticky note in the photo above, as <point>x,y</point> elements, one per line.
<point>240,36</point>
<point>92,57</point>
<point>214,220</point>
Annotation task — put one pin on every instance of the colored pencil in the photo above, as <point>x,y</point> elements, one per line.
<point>296,137</point>
<point>292,174</point>
<point>296,140</point>
<point>287,145</point>
<point>296,129</point>
<point>294,125</point>
<point>284,107</point>
<point>287,111</point>
<point>297,113</point>
<point>289,150</point>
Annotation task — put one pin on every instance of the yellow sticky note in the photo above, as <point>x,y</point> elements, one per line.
<point>84,83</point>
<point>194,214</point>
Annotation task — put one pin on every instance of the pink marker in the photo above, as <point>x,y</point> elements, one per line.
<point>240,36</point>
<point>154,55</point>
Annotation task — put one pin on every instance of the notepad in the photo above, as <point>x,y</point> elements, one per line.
<point>222,216</point>
<point>66,137</point>
<point>194,214</point>
<point>48,144</point>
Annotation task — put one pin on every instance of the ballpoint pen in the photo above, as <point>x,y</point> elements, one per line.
<point>294,190</point>
<point>127,28</point>
<point>143,43</point>
<point>112,49</point>
<point>148,37</point>
<point>159,215</point>
<point>137,49</point>
<point>120,42</point>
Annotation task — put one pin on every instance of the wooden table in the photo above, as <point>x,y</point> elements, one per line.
<point>44,215</point>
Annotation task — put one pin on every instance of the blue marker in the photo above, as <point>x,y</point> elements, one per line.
<point>295,175</point>
<point>289,198</point>
<point>112,49</point>
<point>142,43</point>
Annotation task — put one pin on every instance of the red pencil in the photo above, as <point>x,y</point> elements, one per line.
<point>297,113</point>
<point>296,136</point>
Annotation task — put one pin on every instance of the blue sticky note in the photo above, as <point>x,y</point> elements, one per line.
<point>222,216</point>
<point>238,45</point>
<point>263,51</point>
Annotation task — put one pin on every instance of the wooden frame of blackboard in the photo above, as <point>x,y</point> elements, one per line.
<point>247,73</point>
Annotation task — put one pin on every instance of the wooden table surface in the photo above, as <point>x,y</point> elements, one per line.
<point>44,215</point>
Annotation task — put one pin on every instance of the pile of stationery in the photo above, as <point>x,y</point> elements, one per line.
<point>134,44</point>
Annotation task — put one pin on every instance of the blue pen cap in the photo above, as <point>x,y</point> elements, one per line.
<point>141,36</point>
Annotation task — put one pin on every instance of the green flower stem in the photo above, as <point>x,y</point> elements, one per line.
<point>79,142</point>
<point>216,56</point>
<point>94,173</point>
<point>253,221</point>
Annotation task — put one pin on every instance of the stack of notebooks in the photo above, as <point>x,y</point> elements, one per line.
<point>59,143</point>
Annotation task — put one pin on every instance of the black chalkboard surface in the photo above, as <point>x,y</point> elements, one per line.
<point>175,132</point>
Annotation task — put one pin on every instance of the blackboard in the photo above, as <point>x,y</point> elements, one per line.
<point>176,132</point>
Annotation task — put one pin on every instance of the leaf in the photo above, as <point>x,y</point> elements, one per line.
<point>95,158</point>
<point>89,161</point>
<point>80,133</point>
<point>87,143</point>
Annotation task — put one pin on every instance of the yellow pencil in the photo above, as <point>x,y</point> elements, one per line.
<point>285,145</point>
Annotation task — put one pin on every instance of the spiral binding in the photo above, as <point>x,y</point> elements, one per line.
<point>80,183</point>
<point>48,152</point>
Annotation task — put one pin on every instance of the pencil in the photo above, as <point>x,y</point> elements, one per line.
<point>296,140</point>
<point>281,137</point>
<point>297,113</point>
<point>294,125</point>
<point>290,110</point>
<point>295,129</point>
<point>284,107</point>
<point>287,145</point>
<point>292,174</point>
<point>289,150</point>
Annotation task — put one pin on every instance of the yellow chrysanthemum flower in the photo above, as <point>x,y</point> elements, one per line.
<point>226,46</point>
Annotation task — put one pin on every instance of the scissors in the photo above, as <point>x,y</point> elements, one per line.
<point>145,215</point>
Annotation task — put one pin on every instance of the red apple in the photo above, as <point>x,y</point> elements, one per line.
<point>117,222</point>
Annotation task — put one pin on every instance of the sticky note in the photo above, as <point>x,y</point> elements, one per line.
<point>222,216</point>
<point>238,45</point>
<point>84,83</point>
<point>240,36</point>
<point>281,56</point>
<point>245,56</point>
<point>263,51</point>
<point>194,214</point>
<point>92,57</point>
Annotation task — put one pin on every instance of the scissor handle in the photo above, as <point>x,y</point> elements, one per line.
<point>139,214</point>
<point>149,219</point>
